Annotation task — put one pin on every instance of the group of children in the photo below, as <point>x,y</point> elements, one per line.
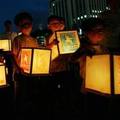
<point>91,43</point>
<point>94,33</point>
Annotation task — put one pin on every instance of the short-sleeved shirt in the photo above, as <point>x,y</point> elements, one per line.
<point>20,42</point>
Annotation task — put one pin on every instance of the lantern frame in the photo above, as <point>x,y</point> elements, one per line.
<point>31,50</point>
<point>112,77</point>
<point>3,47</point>
<point>59,49</point>
<point>70,46</point>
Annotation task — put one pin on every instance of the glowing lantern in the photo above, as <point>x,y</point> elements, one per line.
<point>2,75</point>
<point>35,61</point>
<point>54,48</point>
<point>68,41</point>
<point>103,74</point>
<point>5,45</point>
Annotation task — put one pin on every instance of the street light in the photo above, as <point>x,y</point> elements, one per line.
<point>35,61</point>
<point>103,74</point>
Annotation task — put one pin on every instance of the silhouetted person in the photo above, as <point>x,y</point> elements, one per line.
<point>111,17</point>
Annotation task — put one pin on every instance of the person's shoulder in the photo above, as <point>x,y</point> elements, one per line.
<point>18,37</point>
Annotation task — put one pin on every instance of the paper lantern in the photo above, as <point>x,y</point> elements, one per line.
<point>5,45</point>
<point>2,75</point>
<point>68,41</point>
<point>54,49</point>
<point>103,74</point>
<point>35,61</point>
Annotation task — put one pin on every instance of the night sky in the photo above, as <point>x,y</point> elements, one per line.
<point>9,8</point>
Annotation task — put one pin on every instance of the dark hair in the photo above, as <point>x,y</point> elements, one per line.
<point>90,23</point>
<point>7,22</point>
<point>22,16</point>
<point>53,17</point>
<point>62,20</point>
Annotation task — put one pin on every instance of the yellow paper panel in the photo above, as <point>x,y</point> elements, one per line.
<point>26,60</point>
<point>98,73</point>
<point>2,76</point>
<point>5,45</point>
<point>54,52</point>
<point>54,48</point>
<point>41,62</point>
<point>117,74</point>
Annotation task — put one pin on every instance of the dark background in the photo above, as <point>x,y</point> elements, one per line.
<point>38,9</point>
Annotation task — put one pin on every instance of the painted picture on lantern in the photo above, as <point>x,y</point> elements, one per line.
<point>68,41</point>
<point>26,60</point>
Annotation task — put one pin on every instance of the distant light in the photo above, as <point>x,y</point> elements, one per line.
<point>85,16</point>
<point>93,11</point>
<point>59,86</point>
<point>107,8</point>
<point>93,16</point>
<point>81,17</point>
<point>80,31</point>
<point>53,4</point>
<point>100,11</point>
<point>96,16</point>
<point>78,18</point>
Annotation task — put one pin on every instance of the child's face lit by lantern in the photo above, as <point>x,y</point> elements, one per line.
<point>96,35</point>
<point>54,25</point>
<point>25,27</point>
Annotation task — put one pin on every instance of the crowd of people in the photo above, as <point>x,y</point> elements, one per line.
<point>96,39</point>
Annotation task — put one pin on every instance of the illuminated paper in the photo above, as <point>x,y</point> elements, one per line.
<point>117,74</point>
<point>5,45</point>
<point>68,41</point>
<point>98,73</point>
<point>41,61</point>
<point>2,75</point>
<point>54,48</point>
<point>25,64</point>
<point>35,61</point>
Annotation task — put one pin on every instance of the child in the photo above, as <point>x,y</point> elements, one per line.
<point>24,23</point>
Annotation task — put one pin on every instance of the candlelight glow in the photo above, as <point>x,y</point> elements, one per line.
<point>35,61</point>
<point>5,45</point>
<point>2,75</point>
<point>117,74</point>
<point>98,73</point>
<point>26,59</point>
<point>41,61</point>
<point>54,48</point>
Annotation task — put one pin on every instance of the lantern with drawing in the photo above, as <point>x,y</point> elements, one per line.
<point>68,43</point>
<point>35,61</point>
